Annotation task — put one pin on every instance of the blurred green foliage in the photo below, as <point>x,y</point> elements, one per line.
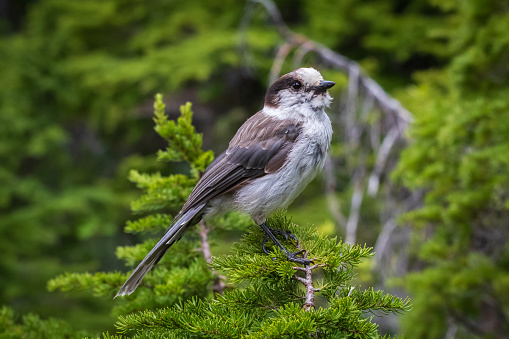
<point>31,326</point>
<point>75,79</point>
<point>460,156</point>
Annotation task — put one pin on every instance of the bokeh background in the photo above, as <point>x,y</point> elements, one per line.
<point>430,193</point>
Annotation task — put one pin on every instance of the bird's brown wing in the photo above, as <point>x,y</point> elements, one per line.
<point>260,146</point>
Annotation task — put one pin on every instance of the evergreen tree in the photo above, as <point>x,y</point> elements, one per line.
<point>272,298</point>
<point>265,296</point>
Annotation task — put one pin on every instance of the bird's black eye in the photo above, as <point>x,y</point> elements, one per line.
<point>296,85</point>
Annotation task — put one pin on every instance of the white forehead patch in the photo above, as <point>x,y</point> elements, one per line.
<point>309,76</point>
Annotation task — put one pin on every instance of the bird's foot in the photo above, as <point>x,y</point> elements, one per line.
<point>286,234</point>
<point>292,256</point>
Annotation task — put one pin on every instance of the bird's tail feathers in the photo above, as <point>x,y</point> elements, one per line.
<point>174,233</point>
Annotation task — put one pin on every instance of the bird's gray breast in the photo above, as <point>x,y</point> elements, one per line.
<point>315,150</point>
<point>310,159</point>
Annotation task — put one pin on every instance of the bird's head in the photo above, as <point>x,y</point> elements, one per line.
<point>299,91</point>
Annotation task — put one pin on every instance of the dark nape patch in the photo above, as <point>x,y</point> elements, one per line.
<point>272,97</point>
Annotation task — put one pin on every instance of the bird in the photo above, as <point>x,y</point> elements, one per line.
<point>273,156</point>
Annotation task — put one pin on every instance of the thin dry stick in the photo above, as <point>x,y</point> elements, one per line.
<point>353,218</point>
<point>205,246</point>
<point>307,281</point>
<point>300,53</point>
<point>219,284</point>
<point>383,239</point>
<point>381,158</point>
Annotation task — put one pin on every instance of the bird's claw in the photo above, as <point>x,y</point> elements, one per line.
<point>286,234</point>
<point>292,256</point>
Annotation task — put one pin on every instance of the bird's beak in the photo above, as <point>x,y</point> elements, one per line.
<point>324,85</point>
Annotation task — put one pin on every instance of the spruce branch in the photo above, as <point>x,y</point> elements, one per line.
<point>184,144</point>
<point>266,299</point>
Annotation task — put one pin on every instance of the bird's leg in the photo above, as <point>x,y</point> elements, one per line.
<point>285,234</point>
<point>291,256</point>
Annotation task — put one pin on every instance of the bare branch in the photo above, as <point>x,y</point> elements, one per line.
<point>277,19</point>
<point>383,153</point>
<point>300,53</point>
<point>366,137</point>
<point>369,86</point>
<point>353,218</point>
<point>307,281</point>
<point>219,284</point>
<point>205,246</point>
<point>383,239</point>
<point>330,188</point>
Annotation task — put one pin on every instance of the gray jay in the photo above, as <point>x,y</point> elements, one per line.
<point>269,161</point>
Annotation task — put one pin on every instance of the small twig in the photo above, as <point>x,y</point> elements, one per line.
<point>353,219</point>
<point>304,269</point>
<point>219,284</point>
<point>308,283</point>
<point>205,246</point>
<point>299,54</point>
<point>383,153</point>
<point>355,205</point>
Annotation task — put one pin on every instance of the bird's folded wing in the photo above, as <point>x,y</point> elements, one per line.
<point>260,147</point>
